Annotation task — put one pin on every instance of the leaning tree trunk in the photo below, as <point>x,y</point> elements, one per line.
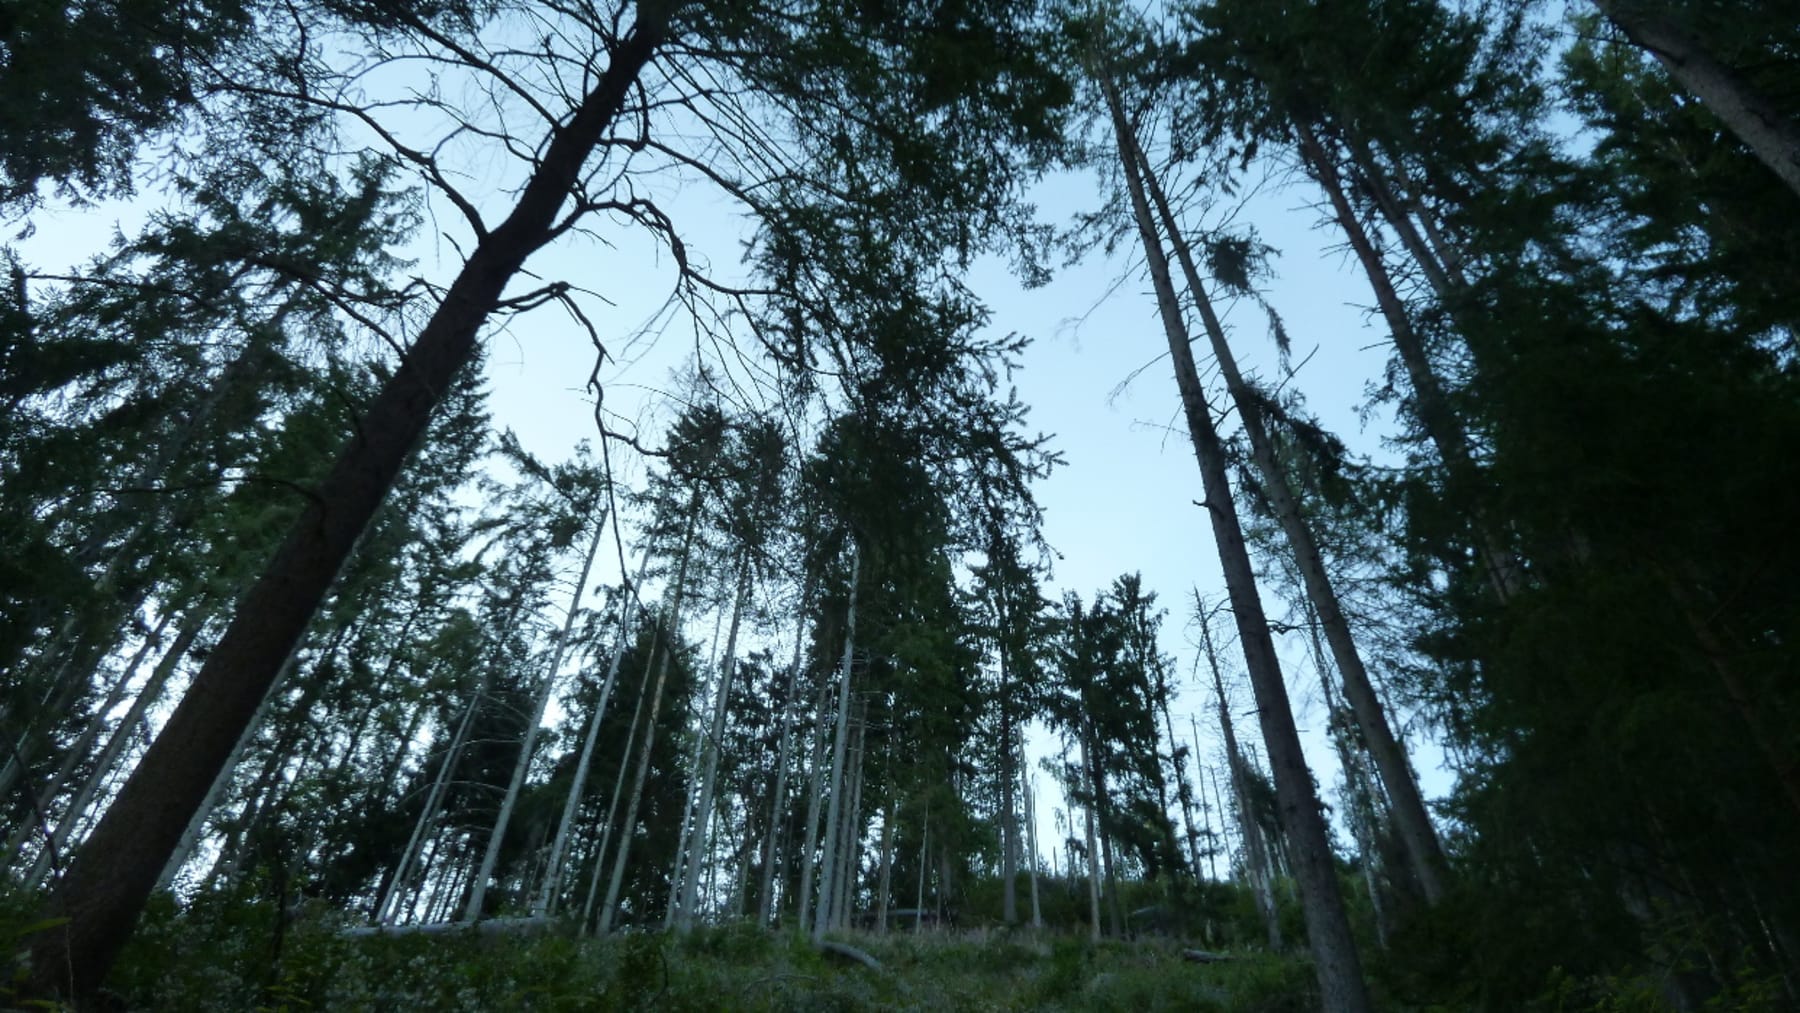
<point>669,636</point>
<point>690,884</point>
<point>1335,960</point>
<point>1256,853</point>
<point>1430,405</point>
<point>766,897</point>
<point>839,745</point>
<point>116,868</point>
<point>1771,136</point>
<point>1423,851</point>
<point>546,901</point>
<point>498,836</point>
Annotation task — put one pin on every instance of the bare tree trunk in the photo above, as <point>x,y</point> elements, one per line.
<point>887,869</point>
<point>1009,818</point>
<point>1037,911</point>
<point>1430,405</point>
<point>1093,849</point>
<point>1213,840</point>
<point>684,846</point>
<point>1257,862</point>
<point>546,902</point>
<point>815,798</point>
<point>49,855</point>
<point>765,899</point>
<point>670,636</point>
<point>1410,817</point>
<point>924,850</point>
<point>118,866</point>
<point>618,792</point>
<point>387,909</point>
<point>1335,959</point>
<point>522,766</point>
<point>840,742</point>
<point>1756,121</point>
<point>721,707</point>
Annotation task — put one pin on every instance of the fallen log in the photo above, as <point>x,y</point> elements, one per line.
<point>1205,956</point>
<point>486,927</point>
<point>844,951</point>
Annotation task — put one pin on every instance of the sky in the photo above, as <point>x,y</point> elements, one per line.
<point>1096,377</point>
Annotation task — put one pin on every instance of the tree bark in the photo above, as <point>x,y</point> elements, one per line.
<point>523,765</point>
<point>116,868</point>
<point>1410,817</point>
<point>1335,959</point>
<point>1770,136</point>
<point>766,898</point>
<point>546,902</point>
<point>839,745</point>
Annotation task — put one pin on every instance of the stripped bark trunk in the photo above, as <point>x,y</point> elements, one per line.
<point>669,635</point>
<point>1335,960</point>
<point>721,707</point>
<point>491,857</point>
<point>546,902</point>
<point>1430,405</point>
<point>1257,864</point>
<point>618,792</point>
<point>839,745</point>
<point>1037,910</point>
<point>1410,818</point>
<point>766,898</point>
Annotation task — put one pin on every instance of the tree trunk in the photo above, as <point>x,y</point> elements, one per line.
<point>49,856</point>
<point>1093,849</point>
<point>117,867</point>
<point>1755,120</point>
<point>1037,911</point>
<point>766,898</point>
<point>839,744</point>
<point>523,765</point>
<point>1410,817</point>
<point>721,706</point>
<point>887,869</point>
<point>1334,950</point>
<point>546,902</point>
<point>670,636</point>
<point>618,792</point>
<point>1257,864</point>
<point>815,798</point>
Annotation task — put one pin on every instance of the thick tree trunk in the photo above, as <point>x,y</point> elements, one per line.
<point>1335,960</point>
<point>839,745</point>
<point>117,867</point>
<point>1771,136</point>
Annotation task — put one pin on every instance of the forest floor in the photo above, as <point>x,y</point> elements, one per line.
<point>242,959</point>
